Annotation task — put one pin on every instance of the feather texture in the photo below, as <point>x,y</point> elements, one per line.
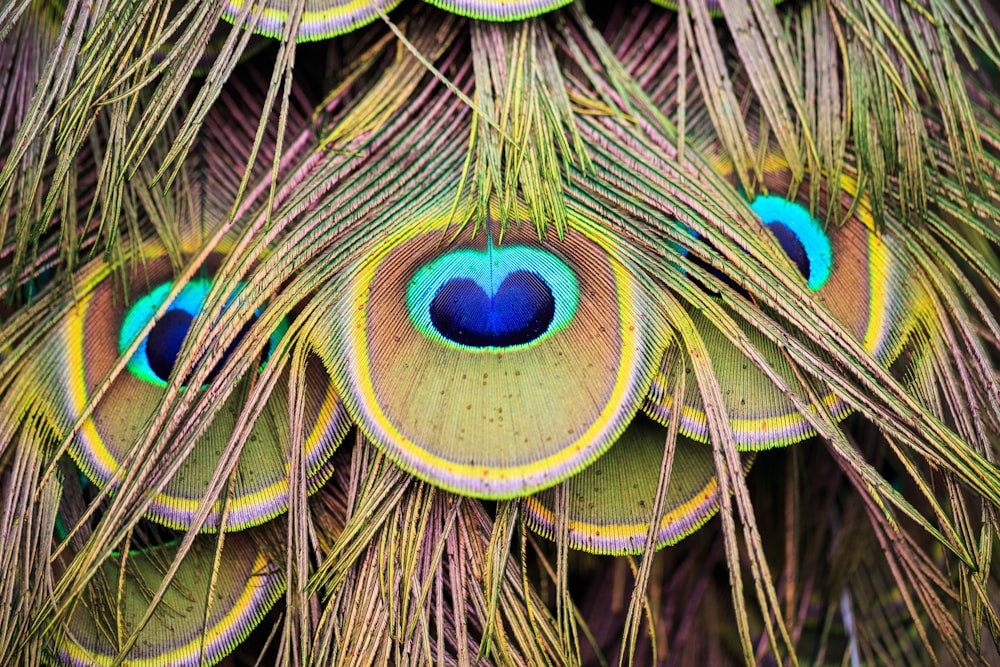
<point>186,627</point>
<point>321,19</point>
<point>612,502</point>
<point>855,275</point>
<point>87,350</point>
<point>531,356</point>
<point>581,261</point>
<point>311,20</point>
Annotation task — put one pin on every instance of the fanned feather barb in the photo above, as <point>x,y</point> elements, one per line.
<point>532,356</point>
<point>307,20</point>
<point>438,544</point>
<point>592,273</point>
<point>187,627</point>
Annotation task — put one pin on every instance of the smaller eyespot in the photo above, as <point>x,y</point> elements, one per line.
<point>800,235</point>
<point>239,571</point>
<point>156,356</point>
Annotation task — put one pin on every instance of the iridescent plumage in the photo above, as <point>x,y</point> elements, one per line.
<point>857,279</point>
<point>322,19</point>
<point>481,399</point>
<point>181,631</point>
<point>100,331</point>
<point>612,501</point>
<point>580,261</point>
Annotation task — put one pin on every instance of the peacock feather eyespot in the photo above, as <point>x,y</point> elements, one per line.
<point>321,19</point>
<point>92,342</point>
<point>612,501</point>
<point>531,356</point>
<point>800,236</point>
<point>157,353</point>
<point>851,271</point>
<point>247,587</point>
<point>183,629</point>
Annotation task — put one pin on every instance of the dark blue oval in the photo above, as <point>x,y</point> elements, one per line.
<point>167,337</point>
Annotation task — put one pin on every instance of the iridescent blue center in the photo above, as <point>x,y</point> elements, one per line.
<point>157,353</point>
<point>519,312</point>
<point>165,341</point>
<point>501,298</point>
<point>792,246</point>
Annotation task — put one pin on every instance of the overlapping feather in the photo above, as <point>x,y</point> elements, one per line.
<point>574,129</point>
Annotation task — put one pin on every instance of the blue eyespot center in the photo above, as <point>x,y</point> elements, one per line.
<point>792,246</point>
<point>521,310</point>
<point>165,341</point>
<point>503,297</point>
<point>157,354</point>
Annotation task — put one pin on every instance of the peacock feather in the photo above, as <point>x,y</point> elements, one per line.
<point>440,332</point>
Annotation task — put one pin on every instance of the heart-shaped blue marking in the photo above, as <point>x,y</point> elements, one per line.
<point>501,298</point>
<point>519,312</point>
